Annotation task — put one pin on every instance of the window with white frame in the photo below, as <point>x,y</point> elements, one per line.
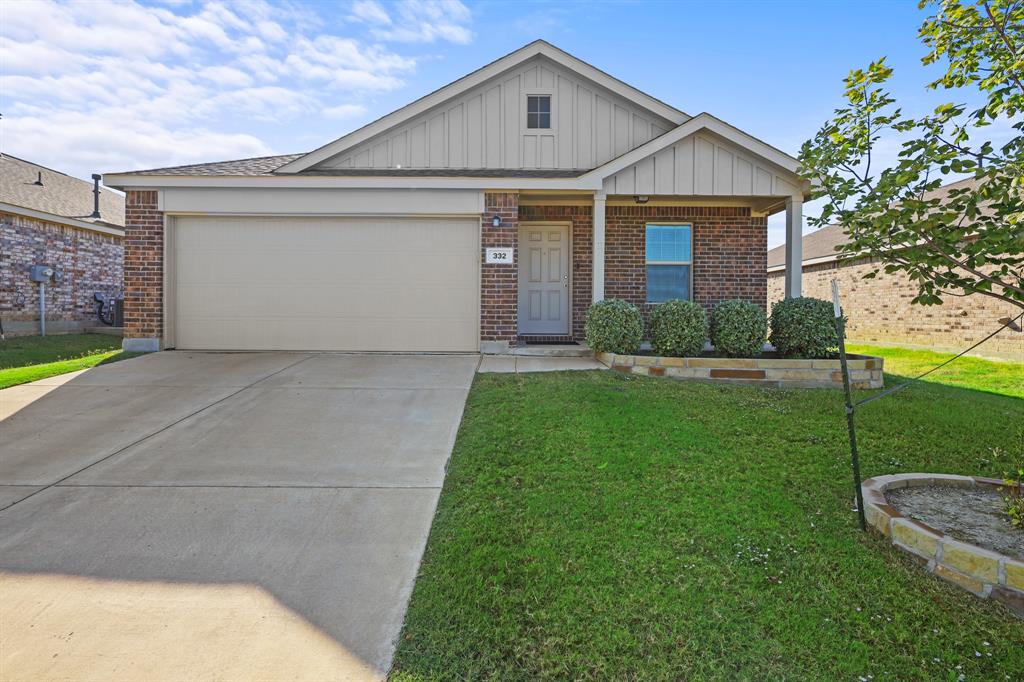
<point>669,250</point>
<point>538,111</point>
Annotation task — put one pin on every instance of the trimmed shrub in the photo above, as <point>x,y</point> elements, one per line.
<point>738,329</point>
<point>678,328</point>
<point>614,326</point>
<point>804,328</point>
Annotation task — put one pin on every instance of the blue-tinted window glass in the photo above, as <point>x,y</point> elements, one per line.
<point>669,243</point>
<point>666,282</point>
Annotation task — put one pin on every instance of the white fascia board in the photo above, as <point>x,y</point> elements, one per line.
<point>703,121</point>
<point>127,181</point>
<point>62,220</point>
<point>464,84</point>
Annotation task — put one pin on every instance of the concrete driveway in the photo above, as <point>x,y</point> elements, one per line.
<point>220,516</point>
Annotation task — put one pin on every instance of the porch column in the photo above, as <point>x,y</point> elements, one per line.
<point>794,246</point>
<point>597,286</point>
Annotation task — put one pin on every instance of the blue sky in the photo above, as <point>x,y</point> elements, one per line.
<point>107,86</point>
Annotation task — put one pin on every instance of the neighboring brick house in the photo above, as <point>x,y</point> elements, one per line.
<point>490,213</point>
<point>881,309</point>
<point>48,218</point>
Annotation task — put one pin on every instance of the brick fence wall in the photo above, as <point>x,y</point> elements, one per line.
<point>729,252</point>
<point>582,220</point>
<point>143,262</point>
<point>91,262</point>
<point>880,310</point>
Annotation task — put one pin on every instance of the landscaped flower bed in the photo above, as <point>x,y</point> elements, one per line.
<point>803,331</point>
<point>865,370</point>
<point>984,572</point>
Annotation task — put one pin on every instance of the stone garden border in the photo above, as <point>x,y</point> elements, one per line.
<point>980,571</point>
<point>865,370</point>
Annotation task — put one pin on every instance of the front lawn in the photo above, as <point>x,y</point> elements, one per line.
<point>994,376</point>
<point>30,358</point>
<point>601,526</point>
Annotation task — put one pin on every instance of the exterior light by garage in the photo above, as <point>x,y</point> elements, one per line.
<point>641,198</point>
<point>496,220</point>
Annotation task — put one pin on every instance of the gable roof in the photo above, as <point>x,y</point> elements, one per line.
<point>61,197</point>
<point>456,88</point>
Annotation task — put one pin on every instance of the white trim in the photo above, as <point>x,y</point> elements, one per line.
<point>170,283</point>
<point>129,181</point>
<point>62,220</point>
<point>597,275</point>
<point>456,88</point>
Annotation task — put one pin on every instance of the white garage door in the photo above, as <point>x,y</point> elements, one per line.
<point>266,283</point>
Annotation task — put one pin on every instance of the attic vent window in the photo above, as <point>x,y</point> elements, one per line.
<point>538,111</point>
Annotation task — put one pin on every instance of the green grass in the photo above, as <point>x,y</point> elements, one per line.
<point>994,376</point>
<point>601,526</point>
<point>30,358</point>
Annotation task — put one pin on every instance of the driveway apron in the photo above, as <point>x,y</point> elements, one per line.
<point>220,515</point>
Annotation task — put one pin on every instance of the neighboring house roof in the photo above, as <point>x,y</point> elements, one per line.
<point>821,246</point>
<point>59,198</point>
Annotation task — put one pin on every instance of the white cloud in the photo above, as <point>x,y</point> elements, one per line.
<point>343,111</point>
<point>370,12</point>
<point>424,21</point>
<point>136,86</point>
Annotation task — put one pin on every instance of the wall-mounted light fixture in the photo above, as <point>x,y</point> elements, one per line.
<point>641,198</point>
<point>496,220</point>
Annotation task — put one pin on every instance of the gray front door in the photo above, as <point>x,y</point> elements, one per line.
<point>544,278</point>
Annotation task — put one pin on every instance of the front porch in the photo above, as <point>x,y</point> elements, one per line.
<point>571,250</point>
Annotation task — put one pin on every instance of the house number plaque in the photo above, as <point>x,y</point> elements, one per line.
<point>498,256</point>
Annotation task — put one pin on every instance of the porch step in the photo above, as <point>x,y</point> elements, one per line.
<point>554,351</point>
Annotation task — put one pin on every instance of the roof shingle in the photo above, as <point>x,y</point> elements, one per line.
<point>59,194</point>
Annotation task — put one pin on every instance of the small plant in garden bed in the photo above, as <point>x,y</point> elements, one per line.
<point>804,328</point>
<point>614,326</point>
<point>738,329</point>
<point>678,328</point>
<point>1013,499</point>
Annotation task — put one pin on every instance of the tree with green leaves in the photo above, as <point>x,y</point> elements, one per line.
<point>967,239</point>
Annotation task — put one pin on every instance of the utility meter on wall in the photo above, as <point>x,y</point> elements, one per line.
<point>42,273</point>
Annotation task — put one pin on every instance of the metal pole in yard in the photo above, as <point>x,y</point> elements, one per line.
<point>841,332</point>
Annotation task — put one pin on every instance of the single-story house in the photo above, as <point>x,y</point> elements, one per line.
<point>881,309</point>
<point>71,226</point>
<point>489,213</point>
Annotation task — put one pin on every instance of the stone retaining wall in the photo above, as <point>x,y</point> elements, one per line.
<point>980,571</point>
<point>865,371</point>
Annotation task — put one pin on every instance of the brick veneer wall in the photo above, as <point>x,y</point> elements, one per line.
<point>729,252</point>
<point>880,310</point>
<point>143,264</point>
<point>582,221</point>
<point>90,261</point>
<point>499,284</point>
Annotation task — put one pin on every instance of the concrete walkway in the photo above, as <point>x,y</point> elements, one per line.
<point>508,364</point>
<point>220,515</point>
